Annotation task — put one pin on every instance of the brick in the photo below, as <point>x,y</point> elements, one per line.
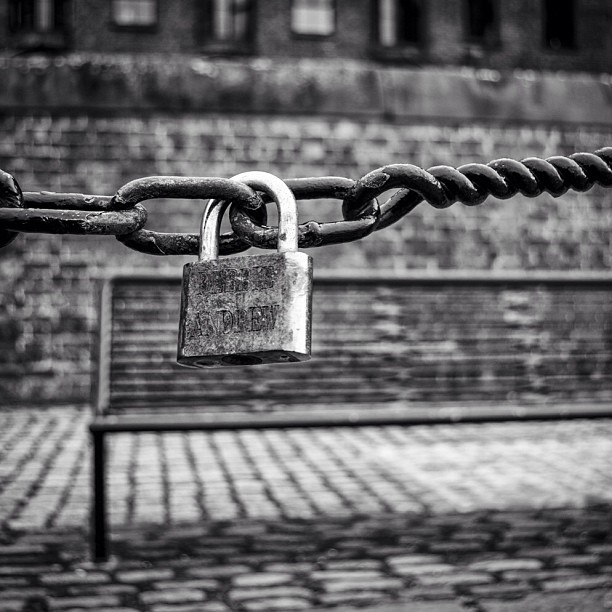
<point>360,597</point>
<point>262,579</point>
<point>13,605</point>
<point>456,579</point>
<point>577,583</point>
<point>22,592</point>
<point>281,604</point>
<point>345,575</point>
<point>545,553</point>
<point>600,549</point>
<point>241,594</point>
<point>168,596</point>
<point>245,529</point>
<point>418,570</point>
<point>93,602</point>
<point>381,583</point>
<point>456,547</point>
<point>104,589</point>
<point>520,575</point>
<point>415,606</point>
<point>414,559</point>
<point>291,568</point>
<point>353,564</point>
<point>199,583</point>
<point>576,560</point>
<point>433,593</point>
<point>504,565</point>
<point>12,582</point>
<point>186,533</point>
<point>145,575</point>
<point>114,609</point>
<point>209,606</point>
<point>498,591</point>
<point>219,571</point>
<point>553,602</point>
<point>77,577</point>
<point>28,570</point>
<point>22,549</point>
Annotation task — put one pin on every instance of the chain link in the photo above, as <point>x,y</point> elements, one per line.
<point>123,215</point>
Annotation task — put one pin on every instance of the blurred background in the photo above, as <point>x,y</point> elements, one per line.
<point>96,93</point>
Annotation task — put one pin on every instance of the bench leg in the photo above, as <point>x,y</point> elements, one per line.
<point>99,527</point>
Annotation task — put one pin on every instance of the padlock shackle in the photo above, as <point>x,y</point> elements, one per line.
<point>210,227</point>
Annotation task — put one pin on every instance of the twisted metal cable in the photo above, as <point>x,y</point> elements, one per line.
<point>440,186</point>
<point>471,184</point>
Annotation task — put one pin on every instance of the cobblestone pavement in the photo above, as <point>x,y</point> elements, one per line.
<point>489,518</point>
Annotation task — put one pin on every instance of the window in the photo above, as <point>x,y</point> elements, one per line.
<point>559,24</point>
<point>227,21</point>
<point>231,19</point>
<point>37,16</point>
<point>135,13</point>
<point>313,17</point>
<point>399,22</point>
<point>481,22</point>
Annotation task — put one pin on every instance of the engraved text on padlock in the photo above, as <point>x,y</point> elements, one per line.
<point>252,309</point>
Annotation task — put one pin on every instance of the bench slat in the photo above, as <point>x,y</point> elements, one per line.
<point>379,341</point>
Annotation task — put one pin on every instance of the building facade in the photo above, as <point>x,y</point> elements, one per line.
<point>535,34</point>
<point>96,93</point>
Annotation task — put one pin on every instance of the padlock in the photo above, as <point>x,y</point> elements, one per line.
<point>247,310</point>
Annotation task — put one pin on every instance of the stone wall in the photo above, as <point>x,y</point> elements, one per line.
<point>48,294</point>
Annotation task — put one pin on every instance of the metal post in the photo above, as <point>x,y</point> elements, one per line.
<point>99,543</point>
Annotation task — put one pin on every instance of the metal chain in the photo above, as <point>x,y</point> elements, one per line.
<point>123,215</point>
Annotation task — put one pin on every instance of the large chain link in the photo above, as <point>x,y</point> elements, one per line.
<point>123,215</point>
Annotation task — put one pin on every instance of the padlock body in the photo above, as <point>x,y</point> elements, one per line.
<point>246,310</point>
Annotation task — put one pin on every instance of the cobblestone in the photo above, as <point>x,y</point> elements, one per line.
<point>466,546</point>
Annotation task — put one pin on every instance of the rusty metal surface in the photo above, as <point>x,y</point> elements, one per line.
<point>110,222</point>
<point>210,225</point>
<point>246,311</point>
<point>440,186</point>
<point>10,197</point>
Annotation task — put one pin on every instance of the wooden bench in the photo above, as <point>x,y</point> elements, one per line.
<point>386,349</point>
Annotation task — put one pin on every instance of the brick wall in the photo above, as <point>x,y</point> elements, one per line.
<point>48,308</point>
